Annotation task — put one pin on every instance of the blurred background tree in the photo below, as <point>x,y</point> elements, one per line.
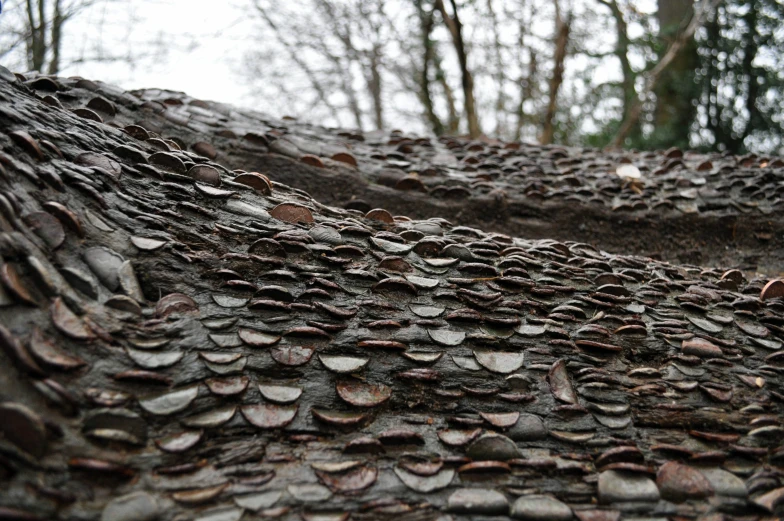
<point>643,74</point>
<point>35,35</point>
<point>740,75</point>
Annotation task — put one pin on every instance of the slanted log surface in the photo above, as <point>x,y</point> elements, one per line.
<point>175,348</point>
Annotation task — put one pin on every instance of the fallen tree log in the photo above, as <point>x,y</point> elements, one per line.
<point>183,341</point>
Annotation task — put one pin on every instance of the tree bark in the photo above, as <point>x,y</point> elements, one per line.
<point>561,42</point>
<point>455,27</point>
<point>453,116</point>
<point>36,19</point>
<point>500,75</point>
<point>676,91</point>
<point>426,22</point>
<point>526,93</point>
<point>374,85</point>
<point>56,38</point>
<point>656,74</point>
<point>622,52</point>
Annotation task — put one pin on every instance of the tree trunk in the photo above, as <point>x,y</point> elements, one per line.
<point>622,52</point>
<point>526,93</point>
<point>36,19</point>
<point>453,118</point>
<point>676,92</point>
<point>657,74</point>
<point>56,38</point>
<point>426,23</point>
<point>751,49</point>
<point>374,85</point>
<point>500,76</point>
<point>455,27</point>
<point>561,41</point>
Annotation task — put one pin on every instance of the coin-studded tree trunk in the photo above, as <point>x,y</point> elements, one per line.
<point>184,341</point>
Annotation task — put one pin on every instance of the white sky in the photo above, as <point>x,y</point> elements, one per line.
<point>210,42</point>
<point>207,42</point>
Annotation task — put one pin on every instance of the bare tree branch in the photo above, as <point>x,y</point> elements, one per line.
<point>294,56</point>
<point>351,55</point>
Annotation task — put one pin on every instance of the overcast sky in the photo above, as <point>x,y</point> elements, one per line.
<point>205,43</point>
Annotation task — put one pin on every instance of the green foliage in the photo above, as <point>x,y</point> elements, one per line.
<point>725,93</point>
<point>741,78</point>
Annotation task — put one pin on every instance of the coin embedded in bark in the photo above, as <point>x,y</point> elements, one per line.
<point>147,244</point>
<point>280,394</point>
<point>348,482</point>
<point>255,180</point>
<point>292,356</point>
<point>105,263</point>
<point>205,174</point>
<point>446,337</point>
<point>773,289</point>
<point>345,157</point>
<point>47,227</point>
<point>210,419</point>
<point>180,442</point>
<point>49,353</point>
<point>292,213</point>
<point>175,303</point>
<point>343,364</point>
<point>170,402</point>
<point>267,416</point>
<point>363,394</point>
<point>27,142</point>
<point>68,322</point>
<point>339,418</point>
<point>560,384</point>
<point>256,338</point>
<point>498,361</point>
<point>23,427</point>
<point>380,215</point>
<point>425,484</point>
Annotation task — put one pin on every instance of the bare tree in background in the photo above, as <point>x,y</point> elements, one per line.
<point>455,26</point>
<point>575,73</point>
<point>339,49</point>
<point>42,30</point>
<point>364,62</point>
<point>426,19</point>
<point>682,43</point>
<point>622,51</point>
<point>562,29</point>
<point>34,35</point>
<point>499,75</point>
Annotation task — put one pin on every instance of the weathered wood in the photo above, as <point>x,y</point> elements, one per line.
<point>222,352</point>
